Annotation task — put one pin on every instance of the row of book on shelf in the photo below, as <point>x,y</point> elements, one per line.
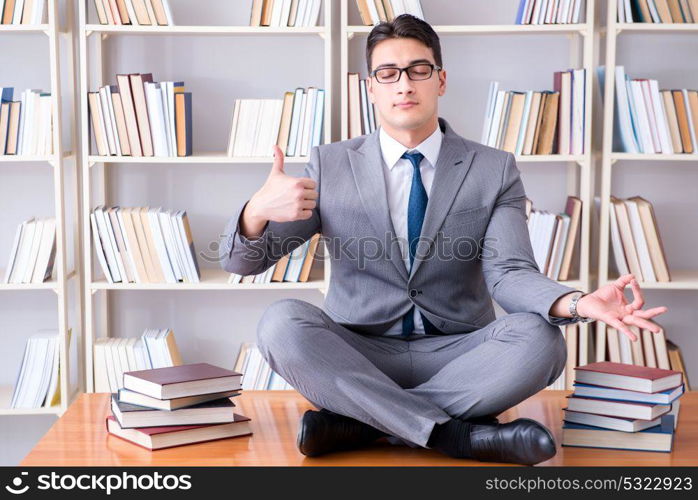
<point>26,126</point>
<point>155,348</point>
<point>285,13</point>
<point>362,116</point>
<point>134,12</point>
<point>144,245</point>
<point>295,123</point>
<point>140,117</point>
<point>22,11</point>
<point>257,374</point>
<point>373,12</point>
<point>549,11</point>
<point>635,240</point>
<point>173,406</point>
<point>554,237</point>
<point>293,267</point>
<point>657,11</point>
<point>650,120</point>
<point>38,379</point>
<point>33,251</point>
<point>623,406</point>
<point>538,122</point>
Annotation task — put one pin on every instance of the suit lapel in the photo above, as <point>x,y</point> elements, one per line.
<point>367,167</point>
<point>451,168</point>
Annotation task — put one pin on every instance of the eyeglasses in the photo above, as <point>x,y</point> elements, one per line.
<point>415,72</point>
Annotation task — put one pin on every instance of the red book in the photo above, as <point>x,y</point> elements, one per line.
<point>157,438</point>
<point>628,377</point>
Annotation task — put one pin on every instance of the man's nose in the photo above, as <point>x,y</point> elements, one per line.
<point>405,85</point>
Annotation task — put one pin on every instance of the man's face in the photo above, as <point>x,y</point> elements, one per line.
<point>405,104</point>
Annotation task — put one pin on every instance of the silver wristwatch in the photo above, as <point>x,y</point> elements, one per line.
<point>573,309</point>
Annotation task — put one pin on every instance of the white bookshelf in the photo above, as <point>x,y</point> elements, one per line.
<point>579,168</point>
<point>96,313</point>
<point>681,279</point>
<point>61,276</point>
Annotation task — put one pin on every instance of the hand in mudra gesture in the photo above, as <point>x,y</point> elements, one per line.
<point>608,304</point>
<point>284,198</point>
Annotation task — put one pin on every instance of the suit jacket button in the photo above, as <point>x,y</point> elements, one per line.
<point>413,292</point>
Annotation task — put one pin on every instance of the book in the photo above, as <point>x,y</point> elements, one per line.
<point>609,422</point>
<point>33,252</point>
<point>657,438</point>
<point>156,438</point>
<point>182,381</point>
<point>628,409</point>
<point>209,412</point>
<point>135,398</point>
<point>592,391</point>
<point>628,377</point>
<point>133,12</point>
<point>373,12</point>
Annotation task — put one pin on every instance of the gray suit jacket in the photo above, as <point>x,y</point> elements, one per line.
<point>474,244</point>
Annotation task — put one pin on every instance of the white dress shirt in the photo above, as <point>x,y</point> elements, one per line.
<point>398,180</point>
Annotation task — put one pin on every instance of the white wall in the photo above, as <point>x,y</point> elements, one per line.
<point>210,326</point>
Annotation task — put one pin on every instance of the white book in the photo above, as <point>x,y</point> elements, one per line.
<point>564,126</point>
<point>314,13</point>
<point>309,116</point>
<point>640,241</point>
<point>285,11</point>
<point>241,126</point>
<point>233,127</point>
<point>653,12</point>
<point>254,364</point>
<point>251,127</point>
<point>489,110</point>
<point>496,118</point>
<point>548,18</point>
<point>319,120</point>
<point>263,128</point>
<point>151,12</point>
<point>649,108</point>
<point>13,253</point>
<point>190,257</point>
<point>301,124</point>
<point>414,7</point>
<point>295,121</point>
<point>660,114</point>
<point>166,89</point>
<point>101,377</point>
<point>38,11</point>
<point>373,11</point>
<point>628,11</point>
<point>160,247</point>
<point>187,272</point>
<point>170,245</point>
<point>363,99</point>
<point>141,352</point>
<point>524,122</point>
<point>131,248</point>
<point>617,244</point>
<point>578,98</point>
<point>48,131</point>
<point>107,243</point>
<point>627,135</point>
<point>559,248</point>
<point>153,94</point>
<point>110,232</point>
<point>399,7</point>
<point>33,378</point>
<point>123,360</point>
<point>168,12</point>
<point>643,125</point>
<point>25,244</point>
<point>22,121</point>
<point>303,5</point>
<point>47,249</point>
<point>275,20</point>
<point>33,251</point>
<point>131,12</point>
<point>621,11</point>
<point>626,353</point>
<point>106,120</point>
<point>99,249</point>
<point>577,12</point>
<point>109,347</point>
<point>17,14</point>
<point>112,118</point>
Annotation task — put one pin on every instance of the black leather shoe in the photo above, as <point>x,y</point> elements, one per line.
<point>523,441</point>
<point>323,431</point>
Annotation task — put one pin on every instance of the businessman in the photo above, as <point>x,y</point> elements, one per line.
<point>423,228</point>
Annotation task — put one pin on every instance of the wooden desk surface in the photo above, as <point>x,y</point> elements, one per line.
<point>79,438</point>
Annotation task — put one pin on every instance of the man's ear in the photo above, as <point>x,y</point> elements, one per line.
<point>442,82</point>
<point>369,89</point>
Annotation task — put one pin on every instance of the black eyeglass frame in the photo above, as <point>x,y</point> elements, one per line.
<point>406,70</point>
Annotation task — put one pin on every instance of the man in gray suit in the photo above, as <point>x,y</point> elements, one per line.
<point>423,228</point>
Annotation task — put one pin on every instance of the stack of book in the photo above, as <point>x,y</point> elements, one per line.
<point>156,348</point>
<point>33,251</point>
<point>37,383</point>
<point>139,117</point>
<point>134,12</point>
<point>22,11</point>
<point>637,244</point>
<point>538,122</point>
<point>282,13</point>
<point>295,123</point>
<point>622,406</point>
<point>554,237</point>
<point>657,11</point>
<point>26,126</point>
<point>144,245</point>
<point>166,407</point>
<point>377,11</point>
<point>362,115</point>
<point>294,267</point>
<point>650,120</point>
<point>258,375</point>
<point>549,11</point>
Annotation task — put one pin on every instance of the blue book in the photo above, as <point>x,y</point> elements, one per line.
<point>519,14</point>
<point>659,438</point>
<point>6,94</point>
<point>595,391</point>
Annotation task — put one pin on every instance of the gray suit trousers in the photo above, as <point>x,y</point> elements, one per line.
<point>404,386</point>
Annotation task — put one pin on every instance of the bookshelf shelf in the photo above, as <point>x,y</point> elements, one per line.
<point>6,399</point>
<point>680,280</point>
<point>61,274</point>
<point>211,279</point>
<point>214,157</point>
<point>656,27</point>
<point>653,157</point>
<point>551,158</point>
<point>95,185</point>
<point>202,30</point>
<point>581,29</point>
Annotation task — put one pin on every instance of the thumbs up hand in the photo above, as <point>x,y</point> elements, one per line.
<point>282,198</point>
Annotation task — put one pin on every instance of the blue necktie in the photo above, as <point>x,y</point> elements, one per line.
<point>416,208</point>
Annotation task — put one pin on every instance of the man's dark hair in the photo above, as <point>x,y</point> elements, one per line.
<point>404,26</point>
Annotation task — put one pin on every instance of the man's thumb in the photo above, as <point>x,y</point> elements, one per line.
<point>278,165</point>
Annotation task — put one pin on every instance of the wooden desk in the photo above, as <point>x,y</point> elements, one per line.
<point>79,438</point>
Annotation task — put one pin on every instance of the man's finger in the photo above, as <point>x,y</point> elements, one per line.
<point>642,323</point>
<point>623,281</point>
<point>307,182</point>
<point>638,299</point>
<point>310,194</point>
<point>619,325</point>
<point>650,313</point>
<point>278,164</point>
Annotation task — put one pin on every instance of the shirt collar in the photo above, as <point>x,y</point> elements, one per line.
<point>392,150</point>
